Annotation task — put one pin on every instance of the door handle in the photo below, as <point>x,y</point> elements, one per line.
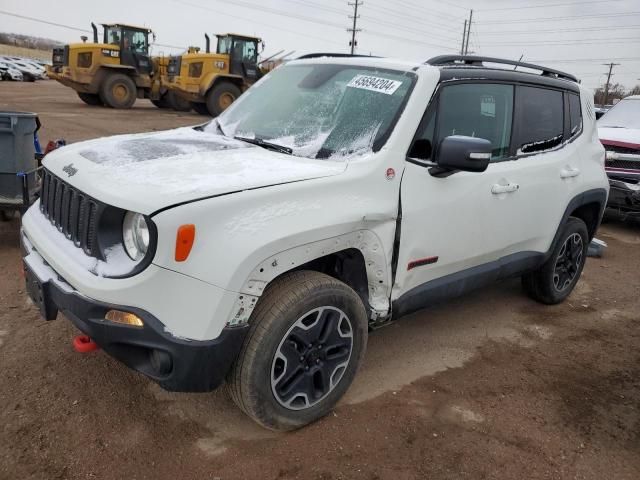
<point>497,189</point>
<point>569,172</point>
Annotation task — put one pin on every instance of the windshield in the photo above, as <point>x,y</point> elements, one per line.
<point>321,111</point>
<point>625,114</point>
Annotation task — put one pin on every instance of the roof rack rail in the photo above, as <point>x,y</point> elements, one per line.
<point>319,55</point>
<point>478,61</point>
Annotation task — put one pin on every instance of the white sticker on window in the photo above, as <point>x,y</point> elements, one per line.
<point>488,106</point>
<point>375,84</point>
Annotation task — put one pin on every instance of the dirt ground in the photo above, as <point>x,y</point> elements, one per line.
<point>489,386</point>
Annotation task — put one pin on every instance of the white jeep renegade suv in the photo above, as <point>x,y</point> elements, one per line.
<point>336,194</point>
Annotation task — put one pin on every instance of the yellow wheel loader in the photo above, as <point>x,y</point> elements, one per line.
<point>212,81</point>
<point>117,71</point>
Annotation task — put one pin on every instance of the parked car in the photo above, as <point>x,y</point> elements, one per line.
<point>29,72</point>
<point>337,194</point>
<point>7,72</point>
<point>619,131</point>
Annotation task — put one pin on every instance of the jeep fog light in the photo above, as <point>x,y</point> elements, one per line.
<point>125,318</point>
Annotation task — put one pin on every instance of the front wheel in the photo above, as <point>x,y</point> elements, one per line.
<point>118,91</point>
<point>557,277</point>
<point>221,96</point>
<point>307,338</point>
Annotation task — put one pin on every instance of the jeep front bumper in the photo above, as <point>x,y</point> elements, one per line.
<point>176,364</point>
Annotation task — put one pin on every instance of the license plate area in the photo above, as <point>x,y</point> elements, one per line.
<point>40,294</point>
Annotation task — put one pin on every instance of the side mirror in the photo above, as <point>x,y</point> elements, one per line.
<point>469,154</point>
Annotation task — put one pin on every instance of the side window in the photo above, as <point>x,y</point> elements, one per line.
<point>540,117</point>
<point>575,114</point>
<point>482,110</point>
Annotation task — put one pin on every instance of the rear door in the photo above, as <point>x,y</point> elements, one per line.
<point>528,190</point>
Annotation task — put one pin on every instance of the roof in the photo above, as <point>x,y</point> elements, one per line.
<point>126,25</point>
<point>379,62</point>
<point>238,35</point>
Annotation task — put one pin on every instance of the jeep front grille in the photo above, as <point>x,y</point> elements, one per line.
<point>72,212</point>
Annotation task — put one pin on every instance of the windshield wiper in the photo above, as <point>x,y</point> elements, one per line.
<point>268,145</point>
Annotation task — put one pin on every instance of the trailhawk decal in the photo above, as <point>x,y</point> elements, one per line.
<point>375,84</point>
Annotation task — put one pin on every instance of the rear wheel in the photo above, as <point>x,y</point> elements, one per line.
<point>307,338</point>
<point>90,98</point>
<point>200,108</point>
<point>178,103</point>
<point>118,91</point>
<point>221,96</point>
<point>556,278</point>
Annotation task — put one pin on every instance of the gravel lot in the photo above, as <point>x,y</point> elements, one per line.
<point>489,386</point>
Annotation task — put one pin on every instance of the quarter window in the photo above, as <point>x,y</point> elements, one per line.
<point>575,114</point>
<point>540,119</point>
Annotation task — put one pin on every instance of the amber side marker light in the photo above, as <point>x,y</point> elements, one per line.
<point>125,318</point>
<point>184,241</point>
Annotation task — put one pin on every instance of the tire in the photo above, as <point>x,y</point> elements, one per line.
<point>178,103</point>
<point>258,379</point>
<point>92,99</point>
<point>161,102</point>
<point>27,77</point>
<point>118,91</point>
<point>221,96</point>
<point>556,278</point>
<point>200,108</point>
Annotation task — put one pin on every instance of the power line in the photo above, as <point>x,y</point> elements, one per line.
<point>414,19</point>
<point>546,5</point>
<point>557,30</point>
<point>590,41</point>
<point>554,19</point>
<point>70,27</point>
<point>354,28</point>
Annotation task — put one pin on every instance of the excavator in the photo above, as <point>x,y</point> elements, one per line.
<point>212,81</point>
<point>116,71</point>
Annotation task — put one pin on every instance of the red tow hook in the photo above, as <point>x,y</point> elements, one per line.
<point>84,344</point>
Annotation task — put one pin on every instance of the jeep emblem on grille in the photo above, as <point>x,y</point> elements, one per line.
<point>70,170</point>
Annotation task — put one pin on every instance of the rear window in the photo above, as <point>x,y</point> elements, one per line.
<point>540,119</point>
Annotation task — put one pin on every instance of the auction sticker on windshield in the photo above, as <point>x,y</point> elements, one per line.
<point>375,84</point>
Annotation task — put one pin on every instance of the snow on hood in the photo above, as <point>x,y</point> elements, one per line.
<point>615,134</point>
<point>150,171</point>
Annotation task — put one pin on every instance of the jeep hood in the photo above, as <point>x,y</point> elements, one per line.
<point>148,172</point>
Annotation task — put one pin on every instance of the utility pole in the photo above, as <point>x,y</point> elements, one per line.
<point>606,88</point>
<point>354,29</point>
<point>466,45</point>
<point>464,35</point>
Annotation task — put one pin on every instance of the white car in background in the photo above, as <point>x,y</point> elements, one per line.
<point>7,72</point>
<point>30,73</point>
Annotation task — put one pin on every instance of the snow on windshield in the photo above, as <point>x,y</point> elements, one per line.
<point>320,111</point>
<point>625,114</point>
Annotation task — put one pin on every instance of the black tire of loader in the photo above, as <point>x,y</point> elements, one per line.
<point>118,91</point>
<point>221,96</point>
<point>92,99</point>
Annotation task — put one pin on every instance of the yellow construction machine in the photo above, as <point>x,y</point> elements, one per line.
<point>117,71</point>
<point>212,81</point>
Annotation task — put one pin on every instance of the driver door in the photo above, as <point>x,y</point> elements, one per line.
<point>243,59</point>
<point>446,247</point>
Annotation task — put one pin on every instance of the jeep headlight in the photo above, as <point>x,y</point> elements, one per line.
<point>135,235</point>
